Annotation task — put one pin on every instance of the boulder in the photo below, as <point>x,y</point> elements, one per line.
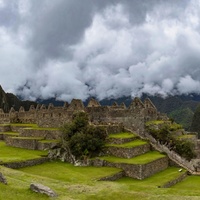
<point>39,188</point>
<point>3,179</point>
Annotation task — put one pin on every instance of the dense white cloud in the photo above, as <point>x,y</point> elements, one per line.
<point>70,49</point>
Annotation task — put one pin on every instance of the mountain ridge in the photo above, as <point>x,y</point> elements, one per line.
<point>179,107</point>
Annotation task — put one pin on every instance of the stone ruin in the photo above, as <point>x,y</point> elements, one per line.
<point>132,117</point>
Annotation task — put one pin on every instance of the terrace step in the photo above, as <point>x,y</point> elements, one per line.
<point>24,142</point>
<point>164,179</point>
<point>121,138</point>
<point>128,150</point>
<point>46,133</point>
<point>19,126</point>
<point>47,144</point>
<point>139,167</point>
<point>5,135</point>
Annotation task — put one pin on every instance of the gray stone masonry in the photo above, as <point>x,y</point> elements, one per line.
<point>27,163</point>
<point>138,171</point>
<point>120,140</point>
<point>128,152</point>
<point>29,143</point>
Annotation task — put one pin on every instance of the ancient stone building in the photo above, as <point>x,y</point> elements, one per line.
<point>132,117</point>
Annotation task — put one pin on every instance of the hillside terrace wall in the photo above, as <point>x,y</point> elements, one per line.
<point>22,143</point>
<point>132,117</point>
<point>128,152</point>
<point>46,134</point>
<point>137,171</point>
<point>27,163</point>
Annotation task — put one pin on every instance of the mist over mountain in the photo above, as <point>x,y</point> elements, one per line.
<point>8,100</point>
<point>68,49</point>
<point>180,108</point>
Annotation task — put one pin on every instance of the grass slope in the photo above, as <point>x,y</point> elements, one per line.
<point>81,183</point>
<point>134,143</point>
<point>13,154</point>
<point>10,133</point>
<point>122,135</point>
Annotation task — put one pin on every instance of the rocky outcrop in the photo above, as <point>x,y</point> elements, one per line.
<point>3,179</point>
<point>62,154</point>
<point>39,188</point>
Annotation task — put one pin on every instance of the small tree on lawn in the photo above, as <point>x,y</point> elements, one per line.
<point>81,139</point>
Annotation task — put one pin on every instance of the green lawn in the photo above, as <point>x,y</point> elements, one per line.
<point>23,125</point>
<point>10,133</point>
<point>81,183</point>
<point>122,135</point>
<point>13,154</point>
<point>41,128</point>
<point>142,159</point>
<point>68,173</point>
<point>29,138</point>
<point>134,143</point>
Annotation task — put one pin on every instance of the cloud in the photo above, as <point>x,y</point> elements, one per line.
<point>188,85</point>
<point>70,49</point>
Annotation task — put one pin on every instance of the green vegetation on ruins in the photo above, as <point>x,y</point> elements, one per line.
<point>122,135</point>
<point>133,143</point>
<point>81,139</point>
<point>41,128</point>
<point>163,132</point>
<point>71,182</point>
<point>195,121</point>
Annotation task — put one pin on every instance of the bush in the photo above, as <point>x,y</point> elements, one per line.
<point>82,139</point>
<point>163,135</point>
<point>185,149</point>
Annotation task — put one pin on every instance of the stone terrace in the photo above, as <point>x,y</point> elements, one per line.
<point>132,155</point>
<point>29,136</point>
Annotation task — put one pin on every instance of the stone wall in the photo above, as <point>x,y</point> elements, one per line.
<point>46,145</point>
<point>5,128</point>
<point>128,152</point>
<point>137,171</point>
<point>22,143</point>
<point>155,166</point>
<point>113,177</point>
<point>113,128</point>
<point>132,117</point>
<point>46,134</point>
<point>175,181</point>
<point>120,140</point>
<point>27,163</point>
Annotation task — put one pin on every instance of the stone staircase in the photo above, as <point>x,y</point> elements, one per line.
<point>132,155</point>
<point>29,136</point>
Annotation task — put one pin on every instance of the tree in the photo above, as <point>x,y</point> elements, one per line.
<point>196,121</point>
<point>81,139</point>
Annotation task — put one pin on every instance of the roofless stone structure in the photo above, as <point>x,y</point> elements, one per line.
<point>133,117</point>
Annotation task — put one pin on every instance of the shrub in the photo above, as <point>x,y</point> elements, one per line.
<point>183,147</point>
<point>82,139</point>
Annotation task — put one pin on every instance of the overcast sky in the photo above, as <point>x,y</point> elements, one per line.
<point>103,48</point>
